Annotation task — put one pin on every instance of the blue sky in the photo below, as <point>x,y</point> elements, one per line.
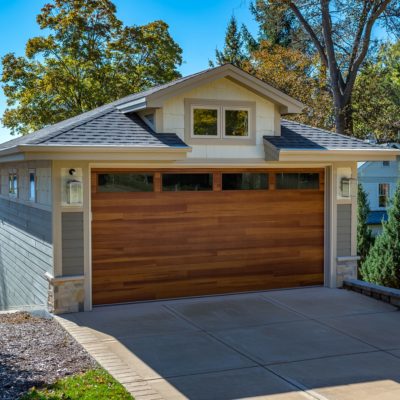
<point>198,26</point>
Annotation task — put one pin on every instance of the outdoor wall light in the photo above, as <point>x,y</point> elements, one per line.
<point>345,187</point>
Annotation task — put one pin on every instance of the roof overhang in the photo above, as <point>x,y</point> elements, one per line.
<point>105,152</point>
<point>299,155</point>
<point>286,104</point>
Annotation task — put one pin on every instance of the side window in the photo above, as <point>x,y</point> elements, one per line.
<point>13,183</point>
<point>297,180</point>
<point>32,185</point>
<point>384,194</point>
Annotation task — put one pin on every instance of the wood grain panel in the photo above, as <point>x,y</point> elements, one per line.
<point>171,244</point>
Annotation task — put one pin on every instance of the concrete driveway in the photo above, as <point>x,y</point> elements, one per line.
<point>314,343</point>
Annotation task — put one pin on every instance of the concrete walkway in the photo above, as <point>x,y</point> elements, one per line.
<point>314,343</point>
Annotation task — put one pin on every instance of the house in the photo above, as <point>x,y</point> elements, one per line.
<point>191,188</point>
<point>379,180</point>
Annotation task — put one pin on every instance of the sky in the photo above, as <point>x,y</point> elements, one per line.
<point>197,26</point>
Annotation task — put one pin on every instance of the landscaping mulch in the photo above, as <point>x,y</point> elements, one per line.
<point>35,352</point>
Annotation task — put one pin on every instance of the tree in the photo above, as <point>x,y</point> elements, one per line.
<point>88,59</point>
<point>376,98</point>
<point>298,75</point>
<point>341,33</point>
<point>364,235</point>
<point>237,43</point>
<point>382,265</point>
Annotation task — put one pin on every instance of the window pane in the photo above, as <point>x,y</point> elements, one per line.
<point>205,122</point>
<point>383,194</point>
<point>246,181</point>
<point>125,182</point>
<point>236,123</point>
<point>32,186</point>
<point>183,182</point>
<point>297,181</point>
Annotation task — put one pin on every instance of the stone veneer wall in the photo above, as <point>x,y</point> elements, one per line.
<point>66,295</point>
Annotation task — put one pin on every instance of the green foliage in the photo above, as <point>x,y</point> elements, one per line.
<point>382,265</point>
<point>88,59</point>
<point>364,235</point>
<point>238,42</point>
<point>376,98</point>
<point>93,385</point>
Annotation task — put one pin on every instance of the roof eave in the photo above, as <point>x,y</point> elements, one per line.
<point>287,104</point>
<point>354,155</point>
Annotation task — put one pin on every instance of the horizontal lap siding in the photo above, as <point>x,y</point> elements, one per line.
<point>344,230</point>
<point>160,245</point>
<point>26,254</point>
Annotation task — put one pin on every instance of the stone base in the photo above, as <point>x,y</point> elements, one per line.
<point>346,268</point>
<point>66,294</point>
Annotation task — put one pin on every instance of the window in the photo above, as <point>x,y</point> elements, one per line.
<point>385,163</point>
<point>220,122</point>
<point>245,181</point>
<point>125,182</point>
<point>32,185</point>
<point>187,182</point>
<point>384,194</point>
<point>236,122</point>
<point>205,121</point>
<point>149,119</point>
<point>13,184</point>
<point>297,181</point>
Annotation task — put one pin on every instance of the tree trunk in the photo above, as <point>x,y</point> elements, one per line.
<point>344,118</point>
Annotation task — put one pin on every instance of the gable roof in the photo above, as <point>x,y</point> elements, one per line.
<point>155,96</point>
<point>298,139</point>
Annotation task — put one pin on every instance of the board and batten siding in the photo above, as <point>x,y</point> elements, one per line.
<point>72,243</point>
<point>343,230</point>
<point>26,249</point>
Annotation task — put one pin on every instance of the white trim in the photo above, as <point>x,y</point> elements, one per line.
<point>249,119</point>
<point>205,107</point>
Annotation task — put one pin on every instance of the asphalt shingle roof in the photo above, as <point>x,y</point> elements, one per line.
<point>107,127</point>
<point>113,128</point>
<point>296,136</point>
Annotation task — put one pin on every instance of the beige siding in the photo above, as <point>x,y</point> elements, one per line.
<point>43,182</point>
<point>173,119</point>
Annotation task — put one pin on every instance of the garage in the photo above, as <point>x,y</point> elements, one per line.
<point>160,234</point>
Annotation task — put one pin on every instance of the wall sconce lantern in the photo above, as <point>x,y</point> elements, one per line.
<point>73,188</point>
<point>345,187</point>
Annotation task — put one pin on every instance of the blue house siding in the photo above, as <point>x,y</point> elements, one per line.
<point>26,249</point>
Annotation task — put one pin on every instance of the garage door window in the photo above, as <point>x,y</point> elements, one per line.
<point>125,182</point>
<point>297,181</point>
<point>187,182</point>
<point>245,181</point>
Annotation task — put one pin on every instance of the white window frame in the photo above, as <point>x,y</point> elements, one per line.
<point>12,191</point>
<point>32,171</point>
<point>205,107</point>
<point>236,108</point>
<point>387,195</point>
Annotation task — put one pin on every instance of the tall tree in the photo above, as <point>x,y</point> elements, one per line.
<point>364,235</point>
<point>382,265</point>
<point>298,75</point>
<point>236,46</point>
<point>376,98</point>
<point>88,58</point>
<point>341,33</point>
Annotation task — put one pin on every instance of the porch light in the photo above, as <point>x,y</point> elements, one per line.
<point>345,187</point>
<point>74,189</point>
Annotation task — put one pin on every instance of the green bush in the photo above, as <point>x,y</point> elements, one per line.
<point>382,264</point>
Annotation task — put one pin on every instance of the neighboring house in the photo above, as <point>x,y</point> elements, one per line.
<point>379,180</point>
<point>191,188</point>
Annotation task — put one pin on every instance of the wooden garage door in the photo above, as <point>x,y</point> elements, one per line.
<point>163,244</point>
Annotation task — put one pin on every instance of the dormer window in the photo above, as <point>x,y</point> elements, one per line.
<point>219,121</point>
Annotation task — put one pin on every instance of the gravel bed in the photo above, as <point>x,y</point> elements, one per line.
<point>36,351</point>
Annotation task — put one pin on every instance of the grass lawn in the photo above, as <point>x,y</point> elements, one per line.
<point>96,384</point>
